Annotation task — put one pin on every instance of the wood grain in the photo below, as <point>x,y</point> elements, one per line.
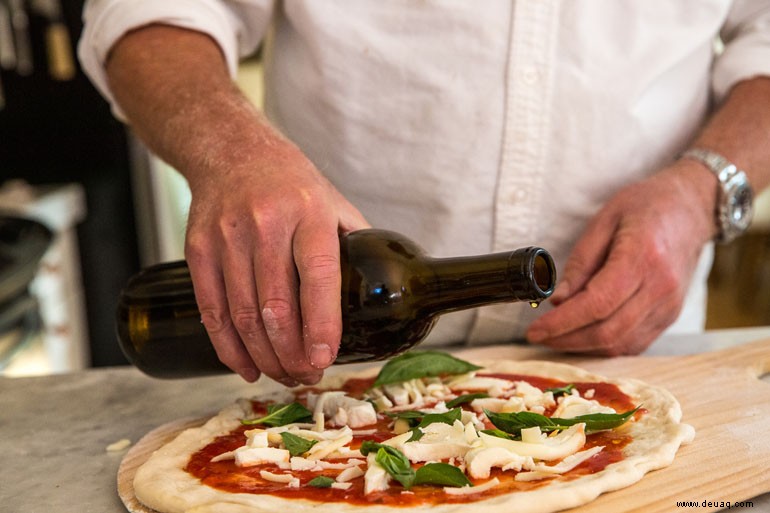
<point>722,397</point>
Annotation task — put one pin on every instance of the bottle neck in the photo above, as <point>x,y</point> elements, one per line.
<point>527,274</point>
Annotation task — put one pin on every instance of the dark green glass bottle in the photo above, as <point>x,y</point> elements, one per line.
<point>392,294</point>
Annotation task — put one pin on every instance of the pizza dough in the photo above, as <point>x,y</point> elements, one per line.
<point>162,483</point>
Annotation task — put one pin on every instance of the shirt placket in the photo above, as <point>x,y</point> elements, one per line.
<point>529,77</point>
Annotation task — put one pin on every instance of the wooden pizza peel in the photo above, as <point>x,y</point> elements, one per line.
<point>722,397</point>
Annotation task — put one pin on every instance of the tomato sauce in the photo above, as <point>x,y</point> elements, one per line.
<point>226,476</point>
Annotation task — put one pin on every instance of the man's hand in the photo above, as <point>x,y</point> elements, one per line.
<point>263,249</point>
<point>627,276</point>
<point>262,238</point>
<point>626,279</point>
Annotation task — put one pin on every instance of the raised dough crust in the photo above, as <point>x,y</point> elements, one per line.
<point>162,484</point>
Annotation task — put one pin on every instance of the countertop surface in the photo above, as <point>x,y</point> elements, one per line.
<point>55,430</point>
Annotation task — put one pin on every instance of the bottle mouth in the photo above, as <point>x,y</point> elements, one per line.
<point>536,265</point>
<point>543,272</point>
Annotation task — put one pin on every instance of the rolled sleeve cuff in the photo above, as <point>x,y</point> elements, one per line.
<point>106,22</point>
<point>741,60</point>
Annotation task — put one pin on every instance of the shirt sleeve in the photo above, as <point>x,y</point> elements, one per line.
<point>237,26</point>
<point>746,39</point>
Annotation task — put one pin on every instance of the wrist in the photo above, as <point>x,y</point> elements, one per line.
<point>696,187</point>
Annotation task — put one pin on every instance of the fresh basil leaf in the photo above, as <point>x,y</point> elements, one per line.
<point>441,474</point>
<point>600,421</point>
<point>399,467</point>
<point>413,417</point>
<point>465,398</point>
<point>321,482</point>
<point>448,417</point>
<point>420,364</point>
<point>559,391</point>
<point>498,433</point>
<point>396,464</point>
<point>416,434</point>
<point>368,446</point>
<point>296,445</point>
<point>392,460</point>
<point>282,414</point>
<point>422,419</point>
<point>513,423</point>
<point>426,419</point>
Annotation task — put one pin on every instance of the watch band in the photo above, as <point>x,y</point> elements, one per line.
<point>733,211</point>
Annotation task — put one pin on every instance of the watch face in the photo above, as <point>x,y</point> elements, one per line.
<point>740,207</point>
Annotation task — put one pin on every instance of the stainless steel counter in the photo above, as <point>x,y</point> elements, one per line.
<point>54,430</point>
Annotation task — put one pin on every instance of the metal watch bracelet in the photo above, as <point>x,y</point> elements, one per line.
<point>734,207</point>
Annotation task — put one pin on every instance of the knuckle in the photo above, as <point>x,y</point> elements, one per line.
<point>604,339</point>
<point>668,283</point>
<point>196,249</point>
<point>656,253</point>
<point>214,320</point>
<point>263,221</point>
<point>277,314</point>
<point>575,265</point>
<point>600,305</point>
<point>324,268</point>
<point>247,321</point>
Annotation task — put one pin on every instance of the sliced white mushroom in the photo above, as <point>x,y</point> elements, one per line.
<point>556,447</point>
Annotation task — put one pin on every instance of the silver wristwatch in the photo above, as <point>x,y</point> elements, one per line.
<point>735,198</point>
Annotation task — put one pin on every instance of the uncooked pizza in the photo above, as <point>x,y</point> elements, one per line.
<point>427,431</point>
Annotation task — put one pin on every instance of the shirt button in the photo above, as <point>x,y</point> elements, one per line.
<point>518,196</point>
<point>530,75</point>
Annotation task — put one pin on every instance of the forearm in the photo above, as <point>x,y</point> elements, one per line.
<point>175,89</point>
<point>740,129</point>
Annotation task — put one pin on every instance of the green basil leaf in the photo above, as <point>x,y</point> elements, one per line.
<point>513,423</point>
<point>321,482</point>
<point>399,467</point>
<point>426,419</point>
<point>282,414</point>
<point>396,464</point>
<point>599,421</point>
<point>296,445</point>
<point>413,417</point>
<point>416,434</point>
<point>368,446</point>
<point>498,433</point>
<point>392,460</point>
<point>420,364</point>
<point>565,390</point>
<point>441,474</point>
<point>465,398</point>
<point>448,417</point>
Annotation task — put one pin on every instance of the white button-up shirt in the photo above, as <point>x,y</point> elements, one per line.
<point>477,127</point>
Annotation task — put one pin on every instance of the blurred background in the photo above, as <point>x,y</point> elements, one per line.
<point>111,207</point>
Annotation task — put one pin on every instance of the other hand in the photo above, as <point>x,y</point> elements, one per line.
<point>626,278</point>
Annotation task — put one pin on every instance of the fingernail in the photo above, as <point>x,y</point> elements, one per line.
<point>311,379</point>
<point>560,293</point>
<point>289,382</point>
<point>321,356</point>
<point>249,374</point>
